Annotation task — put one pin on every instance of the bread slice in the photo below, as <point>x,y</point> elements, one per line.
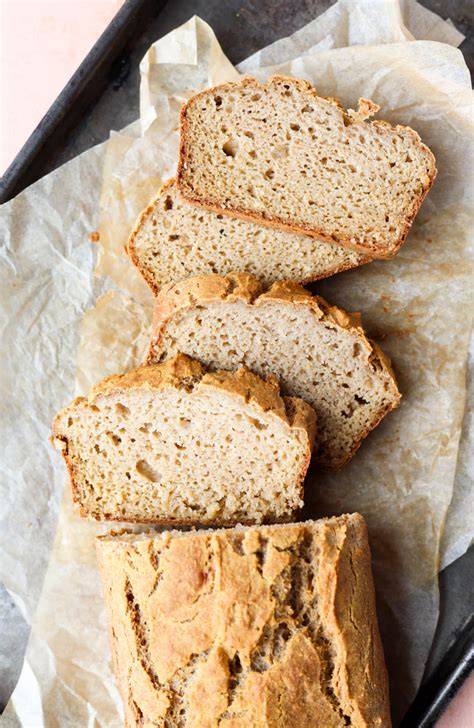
<point>317,351</point>
<point>174,444</point>
<point>269,626</point>
<point>173,240</point>
<point>279,154</point>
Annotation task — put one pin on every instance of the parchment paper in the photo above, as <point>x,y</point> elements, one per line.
<point>418,305</point>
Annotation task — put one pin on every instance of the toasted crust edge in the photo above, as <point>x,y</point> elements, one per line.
<point>372,703</point>
<point>202,290</point>
<point>183,372</point>
<point>273,221</point>
<point>130,246</point>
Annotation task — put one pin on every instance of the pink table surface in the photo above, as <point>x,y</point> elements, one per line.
<point>42,44</point>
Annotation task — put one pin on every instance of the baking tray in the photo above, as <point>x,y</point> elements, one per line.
<point>103,95</point>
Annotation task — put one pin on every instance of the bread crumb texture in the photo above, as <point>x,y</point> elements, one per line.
<point>317,351</point>
<point>174,239</point>
<point>246,628</point>
<point>173,443</point>
<point>280,154</point>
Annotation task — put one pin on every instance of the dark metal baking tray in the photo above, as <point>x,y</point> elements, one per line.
<point>103,95</point>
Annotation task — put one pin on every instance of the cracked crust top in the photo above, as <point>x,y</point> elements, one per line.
<point>201,290</point>
<point>366,109</point>
<point>171,332</point>
<point>183,372</point>
<point>291,420</point>
<point>268,626</point>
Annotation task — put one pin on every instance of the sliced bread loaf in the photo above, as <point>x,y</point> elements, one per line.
<point>279,154</point>
<point>318,352</point>
<point>173,240</point>
<point>257,627</point>
<point>174,444</point>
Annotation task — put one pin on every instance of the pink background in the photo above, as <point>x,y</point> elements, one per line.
<point>42,44</point>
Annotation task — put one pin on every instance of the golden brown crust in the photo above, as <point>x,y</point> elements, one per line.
<point>366,108</point>
<point>275,625</point>
<point>130,247</point>
<point>206,289</point>
<point>201,290</point>
<point>183,372</point>
<point>131,252</point>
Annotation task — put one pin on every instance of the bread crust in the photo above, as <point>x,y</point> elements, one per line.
<point>142,218</point>
<point>366,106</point>
<point>202,290</point>
<point>130,246</point>
<point>183,372</point>
<point>238,577</point>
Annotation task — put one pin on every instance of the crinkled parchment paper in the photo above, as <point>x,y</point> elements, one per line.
<point>410,477</point>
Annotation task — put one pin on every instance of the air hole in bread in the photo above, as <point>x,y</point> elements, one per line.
<point>280,151</point>
<point>230,148</point>
<point>256,423</point>
<point>146,471</point>
<point>168,205</point>
<point>114,438</point>
<point>122,410</point>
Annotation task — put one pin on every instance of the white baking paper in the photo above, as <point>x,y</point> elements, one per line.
<point>402,480</point>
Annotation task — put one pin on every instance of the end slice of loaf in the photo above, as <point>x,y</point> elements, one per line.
<point>174,444</point>
<point>318,352</point>
<point>270,626</point>
<point>173,240</point>
<point>280,154</point>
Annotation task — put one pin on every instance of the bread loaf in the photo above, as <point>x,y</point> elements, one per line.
<point>246,628</point>
<point>318,352</point>
<point>281,155</point>
<point>174,444</point>
<point>173,240</point>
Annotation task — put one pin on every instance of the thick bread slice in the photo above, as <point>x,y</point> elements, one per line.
<point>174,444</point>
<point>258,627</point>
<point>173,240</point>
<point>279,154</point>
<point>318,352</point>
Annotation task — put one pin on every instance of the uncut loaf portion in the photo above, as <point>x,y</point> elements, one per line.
<point>174,444</point>
<point>318,352</point>
<point>174,239</point>
<point>280,154</point>
<point>263,627</point>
